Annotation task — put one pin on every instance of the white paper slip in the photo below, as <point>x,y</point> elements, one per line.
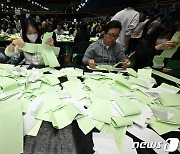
<point>13,98</point>
<point>128,146</point>
<point>152,95</point>
<point>37,84</point>
<point>1,91</point>
<point>117,108</point>
<point>35,75</point>
<point>23,80</point>
<point>105,144</point>
<point>28,122</point>
<point>80,105</point>
<point>141,122</point>
<point>35,106</point>
<point>162,114</point>
<point>149,137</point>
<point>149,83</point>
<point>161,89</point>
<point>145,114</point>
<point>26,66</point>
<point>63,94</point>
<point>11,93</point>
<point>54,71</point>
<point>114,111</point>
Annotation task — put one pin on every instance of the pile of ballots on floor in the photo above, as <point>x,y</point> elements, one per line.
<point>112,103</point>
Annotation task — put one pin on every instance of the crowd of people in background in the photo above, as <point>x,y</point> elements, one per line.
<point>139,31</point>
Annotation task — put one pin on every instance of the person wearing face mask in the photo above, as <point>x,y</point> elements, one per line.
<point>106,50</point>
<point>31,34</point>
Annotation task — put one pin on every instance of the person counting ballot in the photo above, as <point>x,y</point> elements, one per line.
<point>31,34</point>
<point>106,51</point>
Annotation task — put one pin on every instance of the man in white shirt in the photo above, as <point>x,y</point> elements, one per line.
<point>129,19</point>
<point>59,30</point>
<point>17,23</point>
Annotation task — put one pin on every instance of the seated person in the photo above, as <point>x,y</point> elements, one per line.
<point>106,50</point>
<point>31,34</point>
<point>144,54</point>
<point>96,31</point>
<point>59,30</point>
<point>72,29</point>
<point>82,35</point>
<point>11,29</point>
<point>144,59</point>
<point>48,27</point>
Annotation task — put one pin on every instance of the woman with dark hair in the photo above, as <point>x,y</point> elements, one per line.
<point>48,27</point>
<point>107,50</point>
<point>31,34</point>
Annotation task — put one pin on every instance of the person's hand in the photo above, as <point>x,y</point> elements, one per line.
<point>50,41</point>
<point>1,57</point>
<point>19,43</point>
<point>126,64</point>
<point>136,33</point>
<point>91,63</point>
<point>166,45</point>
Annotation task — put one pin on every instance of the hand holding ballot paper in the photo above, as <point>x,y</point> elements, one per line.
<point>47,51</point>
<point>169,47</point>
<point>115,67</point>
<point>107,51</point>
<point>36,51</point>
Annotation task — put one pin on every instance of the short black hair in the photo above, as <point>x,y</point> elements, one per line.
<point>112,24</point>
<point>60,23</point>
<point>131,3</point>
<point>83,26</point>
<point>159,15</point>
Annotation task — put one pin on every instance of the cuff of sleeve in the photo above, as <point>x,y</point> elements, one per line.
<point>8,53</point>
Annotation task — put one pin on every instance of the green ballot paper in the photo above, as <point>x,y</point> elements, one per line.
<point>159,60</point>
<point>132,72</point>
<point>8,83</point>
<point>47,36</point>
<point>101,110</point>
<point>169,53</point>
<point>30,47</point>
<point>11,128</point>
<point>49,53</point>
<point>105,67</point>
<point>121,121</point>
<point>128,107</point>
<point>121,80</point>
<point>168,99</point>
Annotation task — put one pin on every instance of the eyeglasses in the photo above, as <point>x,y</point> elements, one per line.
<point>113,36</point>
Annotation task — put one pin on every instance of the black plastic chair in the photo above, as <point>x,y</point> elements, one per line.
<point>78,52</point>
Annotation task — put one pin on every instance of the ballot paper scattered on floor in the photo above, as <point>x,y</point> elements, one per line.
<point>111,103</point>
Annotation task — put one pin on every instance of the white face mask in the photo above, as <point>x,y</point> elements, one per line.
<point>32,37</point>
<point>160,41</point>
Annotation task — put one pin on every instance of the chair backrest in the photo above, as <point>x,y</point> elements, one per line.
<point>80,48</point>
<point>2,49</point>
<point>173,63</point>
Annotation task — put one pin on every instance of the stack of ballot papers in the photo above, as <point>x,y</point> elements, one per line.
<point>64,38</point>
<point>109,102</point>
<point>106,67</point>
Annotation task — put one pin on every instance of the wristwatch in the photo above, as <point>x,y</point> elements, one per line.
<point>13,44</point>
